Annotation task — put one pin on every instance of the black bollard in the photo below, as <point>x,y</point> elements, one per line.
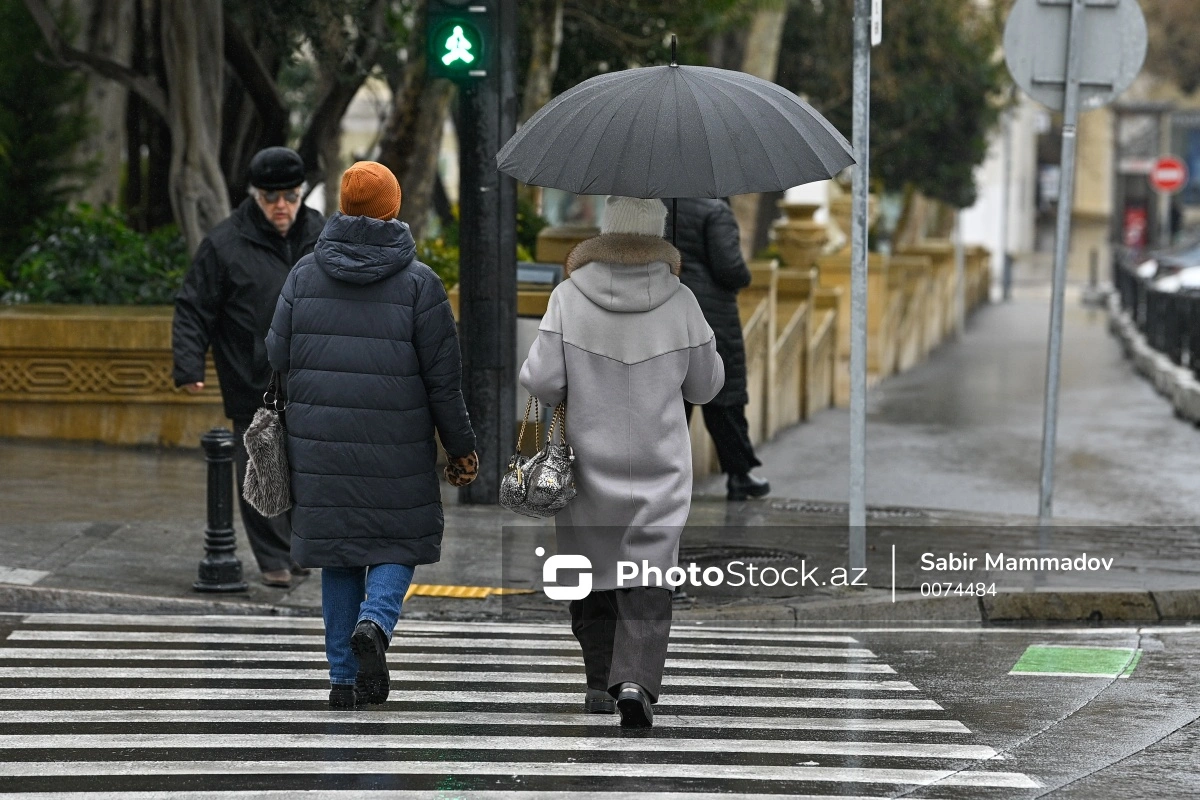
<point>220,571</point>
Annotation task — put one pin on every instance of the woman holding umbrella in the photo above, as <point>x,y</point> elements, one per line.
<point>625,344</point>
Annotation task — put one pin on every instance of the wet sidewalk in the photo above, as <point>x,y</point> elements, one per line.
<point>964,429</point>
<point>953,468</point>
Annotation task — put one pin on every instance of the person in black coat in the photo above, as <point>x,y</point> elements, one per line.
<point>706,234</point>
<point>366,336</point>
<point>226,302</point>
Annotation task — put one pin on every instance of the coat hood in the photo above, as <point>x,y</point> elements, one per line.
<point>363,250</point>
<point>625,272</point>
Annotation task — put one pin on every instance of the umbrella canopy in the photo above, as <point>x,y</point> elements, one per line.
<point>675,132</point>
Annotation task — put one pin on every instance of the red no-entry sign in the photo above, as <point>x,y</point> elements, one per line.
<point>1169,175</point>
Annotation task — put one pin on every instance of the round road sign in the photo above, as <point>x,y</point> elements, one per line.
<point>1169,175</point>
<point>1113,39</point>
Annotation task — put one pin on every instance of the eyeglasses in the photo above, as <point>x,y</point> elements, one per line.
<point>290,196</point>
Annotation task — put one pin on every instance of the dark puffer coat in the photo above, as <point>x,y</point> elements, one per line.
<point>228,297</point>
<point>713,268</point>
<point>366,335</point>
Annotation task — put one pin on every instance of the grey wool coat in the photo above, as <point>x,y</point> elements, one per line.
<point>625,343</point>
<point>366,335</point>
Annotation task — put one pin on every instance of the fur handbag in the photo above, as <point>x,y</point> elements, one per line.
<point>268,478</point>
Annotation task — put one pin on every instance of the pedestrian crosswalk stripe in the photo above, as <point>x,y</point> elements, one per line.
<point>678,631</point>
<point>409,676</point>
<point>105,706</point>
<point>446,744</point>
<point>404,794</point>
<point>408,718</point>
<point>409,641</point>
<point>425,657</point>
<point>712,701</point>
<point>1000,780</point>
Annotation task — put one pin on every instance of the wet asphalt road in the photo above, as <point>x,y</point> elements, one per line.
<point>144,707</point>
<point>963,429</point>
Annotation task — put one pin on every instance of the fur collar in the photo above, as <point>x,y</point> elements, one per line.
<point>623,248</point>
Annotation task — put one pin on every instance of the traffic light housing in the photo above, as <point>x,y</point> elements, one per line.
<point>460,38</point>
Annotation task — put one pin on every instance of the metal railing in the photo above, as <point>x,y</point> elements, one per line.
<point>1170,321</point>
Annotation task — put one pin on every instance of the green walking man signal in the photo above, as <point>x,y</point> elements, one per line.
<point>459,39</point>
<point>458,48</point>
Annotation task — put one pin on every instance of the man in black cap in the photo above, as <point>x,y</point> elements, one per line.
<point>227,301</point>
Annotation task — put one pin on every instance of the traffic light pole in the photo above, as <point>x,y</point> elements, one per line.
<point>488,259</point>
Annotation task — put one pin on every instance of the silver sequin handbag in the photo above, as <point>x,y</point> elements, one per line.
<point>268,477</point>
<point>543,484</point>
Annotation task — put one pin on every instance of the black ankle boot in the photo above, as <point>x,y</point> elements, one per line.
<point>341,697</point>
<point>746,485</point>
<point>369,645</point>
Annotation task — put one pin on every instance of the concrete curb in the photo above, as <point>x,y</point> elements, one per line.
<point>33,599</point>
<point>857,606</point>
<point>1172,381</point>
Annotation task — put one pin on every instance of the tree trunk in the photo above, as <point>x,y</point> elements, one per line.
<point>341,78</point>
<point>192,31</point>
<point>412,135</point>
<point>547,18</point>
<point>107,31</point>
<point>761,59</point>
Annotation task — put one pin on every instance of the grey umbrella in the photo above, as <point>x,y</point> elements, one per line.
<point>675,132</point>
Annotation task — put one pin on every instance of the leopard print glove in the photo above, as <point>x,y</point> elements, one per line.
<point>461,470</point>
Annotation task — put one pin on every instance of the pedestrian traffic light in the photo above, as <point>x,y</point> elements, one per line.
<point>459,34</point>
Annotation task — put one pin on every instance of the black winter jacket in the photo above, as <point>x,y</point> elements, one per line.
<point>228,297</point>
<point>713,268</point>
<point>367,338</point>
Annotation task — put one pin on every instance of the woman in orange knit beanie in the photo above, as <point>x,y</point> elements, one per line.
<point>365,332</point>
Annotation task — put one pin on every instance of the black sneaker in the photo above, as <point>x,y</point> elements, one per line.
<point>369,645</point>
<point>745,486</point>
<point>598,701</point>
<point>634,705</point>
<point>341,697</point>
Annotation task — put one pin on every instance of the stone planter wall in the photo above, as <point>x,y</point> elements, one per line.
<point>98,374</point>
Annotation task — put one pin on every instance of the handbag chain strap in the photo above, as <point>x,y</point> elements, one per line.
<point>537,423</point>
<point>559,419</point>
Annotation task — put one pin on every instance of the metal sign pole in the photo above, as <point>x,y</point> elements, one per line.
<point>858,286</point>
<point>1066,202</point>
<point>1005,201</point>
<point>960,276</point>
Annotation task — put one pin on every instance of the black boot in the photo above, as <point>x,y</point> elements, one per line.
<point>369,645</point>
<point>341,697</point>
<point>746,485</point>
<point>634,705</point>
<point>598,701</point>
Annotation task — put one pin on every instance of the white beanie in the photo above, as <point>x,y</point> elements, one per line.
<point>632,215</point>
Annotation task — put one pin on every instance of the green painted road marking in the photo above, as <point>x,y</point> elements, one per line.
<point>1077,662</point>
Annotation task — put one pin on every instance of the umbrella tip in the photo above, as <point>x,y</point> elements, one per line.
<point>674,48</point>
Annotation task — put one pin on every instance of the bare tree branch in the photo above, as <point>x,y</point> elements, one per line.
<point>145,87</point>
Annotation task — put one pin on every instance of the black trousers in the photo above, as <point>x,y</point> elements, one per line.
<point>730,432</point>
<point>623,634</point>
<point>270,537</point>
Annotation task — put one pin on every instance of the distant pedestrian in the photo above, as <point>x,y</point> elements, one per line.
<point>226,302</point>
<point>625,344</point>
<point>713,268</point>
<point>367,338</point>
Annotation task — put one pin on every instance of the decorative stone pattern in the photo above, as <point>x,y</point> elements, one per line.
<point>98,374</point>
<point>85,376</point>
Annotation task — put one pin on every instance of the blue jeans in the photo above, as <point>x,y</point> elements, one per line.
<point>352,594</point>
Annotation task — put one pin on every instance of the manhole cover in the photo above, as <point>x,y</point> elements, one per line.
<point>723,554</point>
